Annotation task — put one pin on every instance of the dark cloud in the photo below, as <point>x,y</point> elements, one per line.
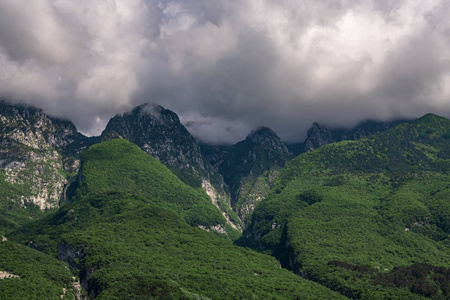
<point>225,66</point>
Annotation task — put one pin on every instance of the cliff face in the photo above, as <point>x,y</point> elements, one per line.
<point>74,257</point>
<point>249,165</point>
<point>33,159</point>
<point>159,132</point>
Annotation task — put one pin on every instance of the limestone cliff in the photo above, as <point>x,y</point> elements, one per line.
<point>33,159</point>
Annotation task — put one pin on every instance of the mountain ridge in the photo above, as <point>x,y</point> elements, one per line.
<point>368,218</point>
<point>353,208</point>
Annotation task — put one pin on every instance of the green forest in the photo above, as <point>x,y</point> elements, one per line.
<point>365,219</point>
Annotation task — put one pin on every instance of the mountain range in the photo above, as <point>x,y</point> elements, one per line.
<point>147,211</point>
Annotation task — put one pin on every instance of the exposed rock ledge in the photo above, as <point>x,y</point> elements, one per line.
<point>218,228</point>
<point>214,196</point>
<point>4,275</point>
<point>74,256</point>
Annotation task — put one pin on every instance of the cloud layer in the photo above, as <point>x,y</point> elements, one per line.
<point>228,66</point>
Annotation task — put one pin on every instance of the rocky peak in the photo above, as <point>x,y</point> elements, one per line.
<point>261,151</point>
<point>154,113</point>
<point>318,136</point>
<point>159,132</point>
<point>32,127</point>
<point>264,136</point>
<point>34,152</point>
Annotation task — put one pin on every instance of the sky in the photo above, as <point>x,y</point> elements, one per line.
<point>228,66</point>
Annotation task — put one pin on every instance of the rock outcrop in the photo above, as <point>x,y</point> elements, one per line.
<point>249,166</point>
<point>159,132</point>
<point>37,154</point>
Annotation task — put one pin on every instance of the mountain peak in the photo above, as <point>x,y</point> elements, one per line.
<point>153,112</point>
<point>262,134</point>
<point>149,108</point>
<point>430,117</point>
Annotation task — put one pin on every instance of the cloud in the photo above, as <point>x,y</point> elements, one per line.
<point>227,67</point>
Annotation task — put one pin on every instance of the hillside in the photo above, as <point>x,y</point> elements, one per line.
<point>159,132</point>
<point>126,234</point>
<point>356,214</point>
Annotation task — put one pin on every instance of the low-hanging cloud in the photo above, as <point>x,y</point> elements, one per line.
<point>227,66</point>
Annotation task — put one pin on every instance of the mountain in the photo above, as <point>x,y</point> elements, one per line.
<point>38,158</point>
<point>131,232</point>
<point>118,167</point>
<point>356,216</point>
<point>362,213</point>
<point>159,132</point>
<point>318,135</point>
<point>250,167</point>
<point>258,155</point>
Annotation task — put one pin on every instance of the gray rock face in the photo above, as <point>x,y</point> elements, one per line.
<point>318,136</point>
<point>215,154</point>
<point>248,165</point>
<point>70,255</point>
<point>259,152</point>
<point>74,257</point>
<point>33,154</point>
<point>159,132</point>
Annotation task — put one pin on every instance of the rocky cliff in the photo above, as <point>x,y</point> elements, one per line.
<point>159,132</point>
<point>34,161</point>
<point>249,166</point>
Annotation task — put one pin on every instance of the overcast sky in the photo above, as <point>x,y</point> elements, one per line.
<point>228,66</point>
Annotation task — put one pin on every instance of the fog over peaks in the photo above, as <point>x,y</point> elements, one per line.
<point>227,67</point>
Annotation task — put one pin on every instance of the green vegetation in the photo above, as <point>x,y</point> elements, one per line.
<point>32,274</point>
<point>375,204</point>
<point>251,191</point>
<point>120,166</point>
<point>150,252</point>
<point>12,214</point>
<point>367,219</point>
<point>128,224</point>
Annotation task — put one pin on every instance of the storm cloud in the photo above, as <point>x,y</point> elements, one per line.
<point>226,66</point>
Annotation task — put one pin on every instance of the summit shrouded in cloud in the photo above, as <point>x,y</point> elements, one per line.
<point>226,67</point>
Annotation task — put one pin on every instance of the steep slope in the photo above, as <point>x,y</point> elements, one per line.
<point>158,132</point>
<point>38,154</point>
<point>126,236</point>
<point>28,274</point>
<point>118,166</point>
<point>258,155</point>
<point>215,154</point>
<point>353,214</point>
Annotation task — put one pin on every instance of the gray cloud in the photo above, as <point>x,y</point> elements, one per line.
<point>227,67</point>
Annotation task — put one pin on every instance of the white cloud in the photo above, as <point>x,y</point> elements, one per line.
<point>283,64</point>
